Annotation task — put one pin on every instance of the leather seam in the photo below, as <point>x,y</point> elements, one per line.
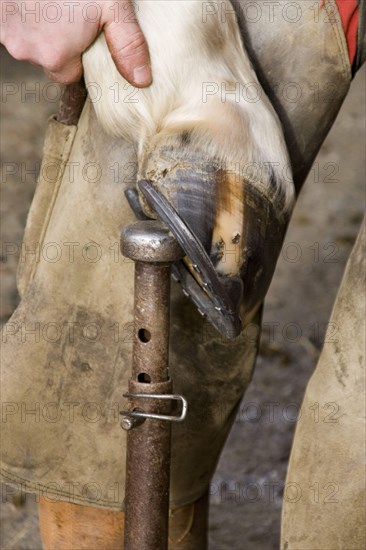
<point>340,37</point>
<point>64,156</point>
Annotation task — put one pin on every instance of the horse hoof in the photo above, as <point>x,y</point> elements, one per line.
<point>231,228</point>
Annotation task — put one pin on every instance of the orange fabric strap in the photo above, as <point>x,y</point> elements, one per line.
<point>349,13</point>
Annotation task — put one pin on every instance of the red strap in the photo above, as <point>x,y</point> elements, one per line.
<point>348,11</point>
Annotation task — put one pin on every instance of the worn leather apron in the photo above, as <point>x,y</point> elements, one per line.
<point>324,493</point>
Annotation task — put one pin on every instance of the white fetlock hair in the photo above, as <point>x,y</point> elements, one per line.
<point>203,83</point>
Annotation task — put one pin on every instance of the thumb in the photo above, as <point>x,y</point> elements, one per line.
<point>128,47</point>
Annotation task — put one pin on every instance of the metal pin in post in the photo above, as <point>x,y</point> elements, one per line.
<point>148,422</point>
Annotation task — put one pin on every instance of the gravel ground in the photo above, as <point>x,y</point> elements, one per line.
<point>247,489</point>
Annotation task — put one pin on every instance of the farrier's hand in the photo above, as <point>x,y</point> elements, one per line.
<point>55,34</point>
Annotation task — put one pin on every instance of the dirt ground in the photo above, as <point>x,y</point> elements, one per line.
<point>247,489</point>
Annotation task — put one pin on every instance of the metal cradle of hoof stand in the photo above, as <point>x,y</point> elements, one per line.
<point>148,421</point>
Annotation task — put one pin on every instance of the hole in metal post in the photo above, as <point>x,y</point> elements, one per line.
<point>144,335</point>
<point>144,378</point>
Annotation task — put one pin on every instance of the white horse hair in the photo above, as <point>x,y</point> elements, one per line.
<point>203,83</point>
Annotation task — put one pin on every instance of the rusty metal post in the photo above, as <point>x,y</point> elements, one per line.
<point>71,103</point>
<point>148,421</point>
